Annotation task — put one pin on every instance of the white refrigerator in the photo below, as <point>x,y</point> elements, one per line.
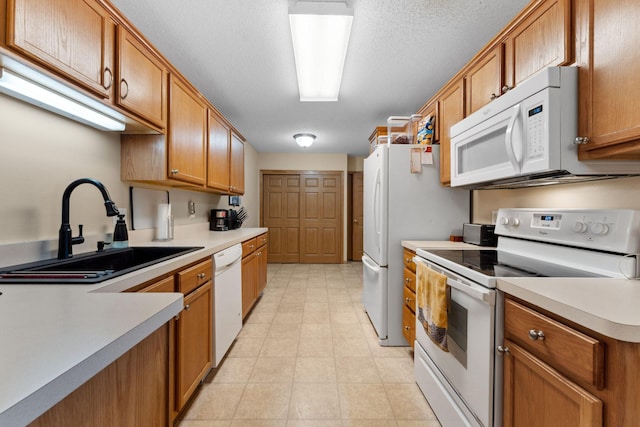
<point>401,205</point>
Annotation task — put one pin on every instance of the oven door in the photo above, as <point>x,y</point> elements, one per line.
<point>467,369</point>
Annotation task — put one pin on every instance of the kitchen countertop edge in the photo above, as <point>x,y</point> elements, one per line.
<point>34,403</point>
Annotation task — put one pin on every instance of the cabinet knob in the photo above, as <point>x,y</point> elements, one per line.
<point>174,171</point>
<point>503,350</point>
<point>406,328</point>
<point>201,275</point>
<point>107,78</point>
<point>187,307</point>
<point>493,96</point>
<point>536,335</point>
<point>506,88</point>
<point>581,140</point>
<point>407,259</point>
<point>408,299</point>
<point>123,92</point>
<point>406,279</point>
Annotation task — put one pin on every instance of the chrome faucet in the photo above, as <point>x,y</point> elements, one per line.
<point>65,239</point>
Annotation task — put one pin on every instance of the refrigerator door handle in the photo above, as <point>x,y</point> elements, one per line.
<point>376,207</point>
<point>370,264</point>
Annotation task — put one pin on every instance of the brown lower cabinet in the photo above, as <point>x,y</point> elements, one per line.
<point>254,271</point>
<point>568,375</point>
<point>131,391</point>
<point>190,333</point>
<point>409,308</point>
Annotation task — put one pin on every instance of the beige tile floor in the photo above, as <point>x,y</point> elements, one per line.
<point>307,356</point>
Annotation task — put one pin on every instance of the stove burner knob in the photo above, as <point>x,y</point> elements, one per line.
<point>599,228</point>
<point>580,227</point>
<point>509,221</point>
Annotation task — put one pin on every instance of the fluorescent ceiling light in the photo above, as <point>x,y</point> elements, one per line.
<point>320,33</point>
<point>20,87</point>
<point>304,140</point>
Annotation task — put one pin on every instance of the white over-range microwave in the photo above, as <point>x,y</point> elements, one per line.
<point>528,136</point>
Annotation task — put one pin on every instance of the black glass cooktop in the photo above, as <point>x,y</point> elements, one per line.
<point>494,263</point>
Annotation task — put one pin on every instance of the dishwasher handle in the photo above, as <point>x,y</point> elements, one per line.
<point>223,260</point>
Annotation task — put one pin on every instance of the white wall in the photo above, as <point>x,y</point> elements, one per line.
<point>41,153</point>
<point>311,162</point>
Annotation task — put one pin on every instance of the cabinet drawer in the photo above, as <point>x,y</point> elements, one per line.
<point>410,299</point>
<point>408,325</point>
<point>410,279</point>
<point>249,246</point>
<point>261,240</point>
<point>192,277</point>
<point>165,285</point>
<point>575,354</point>
<point>408,260</point>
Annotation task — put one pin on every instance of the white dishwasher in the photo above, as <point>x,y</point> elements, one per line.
<point>227,300</point>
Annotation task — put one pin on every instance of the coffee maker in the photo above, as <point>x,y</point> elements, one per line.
<point>218,220</point>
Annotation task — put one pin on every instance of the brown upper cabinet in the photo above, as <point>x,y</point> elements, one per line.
<point>142,80</point>
<point>543,37</point>
<point>609,60</point>
<point>236,174</point>
<point>187,134</point>
<point>225,157</point>
<point>483,80</point>
<point>451,104</point>
<point>218,153</point>
<point>35,29</point>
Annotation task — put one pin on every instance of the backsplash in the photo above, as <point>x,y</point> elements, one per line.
<point>621,193</point>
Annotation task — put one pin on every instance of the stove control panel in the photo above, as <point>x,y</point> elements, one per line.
<point>614,230</point>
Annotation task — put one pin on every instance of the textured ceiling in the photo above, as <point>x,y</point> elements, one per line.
<point>239,55</point>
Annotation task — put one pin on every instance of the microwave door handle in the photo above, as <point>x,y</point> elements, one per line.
<point>515,162</point>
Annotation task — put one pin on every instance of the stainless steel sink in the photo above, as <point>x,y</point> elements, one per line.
<point>91,268</point>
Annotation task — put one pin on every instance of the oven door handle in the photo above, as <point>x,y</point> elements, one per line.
<point>477,292</point>
<point>486,295</point>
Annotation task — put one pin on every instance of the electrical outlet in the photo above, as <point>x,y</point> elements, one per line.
<point>192,209</point>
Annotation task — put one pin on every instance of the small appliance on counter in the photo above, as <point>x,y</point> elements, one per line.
<point>479,234</point>
<point>218,220</point>
<point>226,219</point>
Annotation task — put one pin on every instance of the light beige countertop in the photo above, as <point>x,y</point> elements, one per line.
<point>56,337</point>
<point>438,244</point>
<point>606,306</point>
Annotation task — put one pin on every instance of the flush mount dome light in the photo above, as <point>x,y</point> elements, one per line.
<point>304,140</point>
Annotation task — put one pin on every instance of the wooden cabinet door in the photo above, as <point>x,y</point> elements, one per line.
<point>432,109</point>
<point>142,80</point>
<point>609,60</point>
<point>321,218</point>
<point>249,280</point>
<point>74,37</point>
<point>218,153</point>
<point>536,395</point>
<point>483,80</point>
<point>261,269</point>
<point>236,177</point>
<point>544,38</point>
<point>357,230</point>
<point>281,214</point>
<point>194,338</point>
<point>187,134</point>
<point>451,112</point>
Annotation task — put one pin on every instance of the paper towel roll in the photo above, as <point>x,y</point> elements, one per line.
<point>163,221</point>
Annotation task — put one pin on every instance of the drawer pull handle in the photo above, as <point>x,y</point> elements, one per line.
<point>503,350</point>
<point>124,85</point>
<point>536,335</point>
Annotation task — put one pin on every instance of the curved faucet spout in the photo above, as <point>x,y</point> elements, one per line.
<point>65,240</point>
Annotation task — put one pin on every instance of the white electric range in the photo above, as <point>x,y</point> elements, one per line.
<point>464,384</point>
